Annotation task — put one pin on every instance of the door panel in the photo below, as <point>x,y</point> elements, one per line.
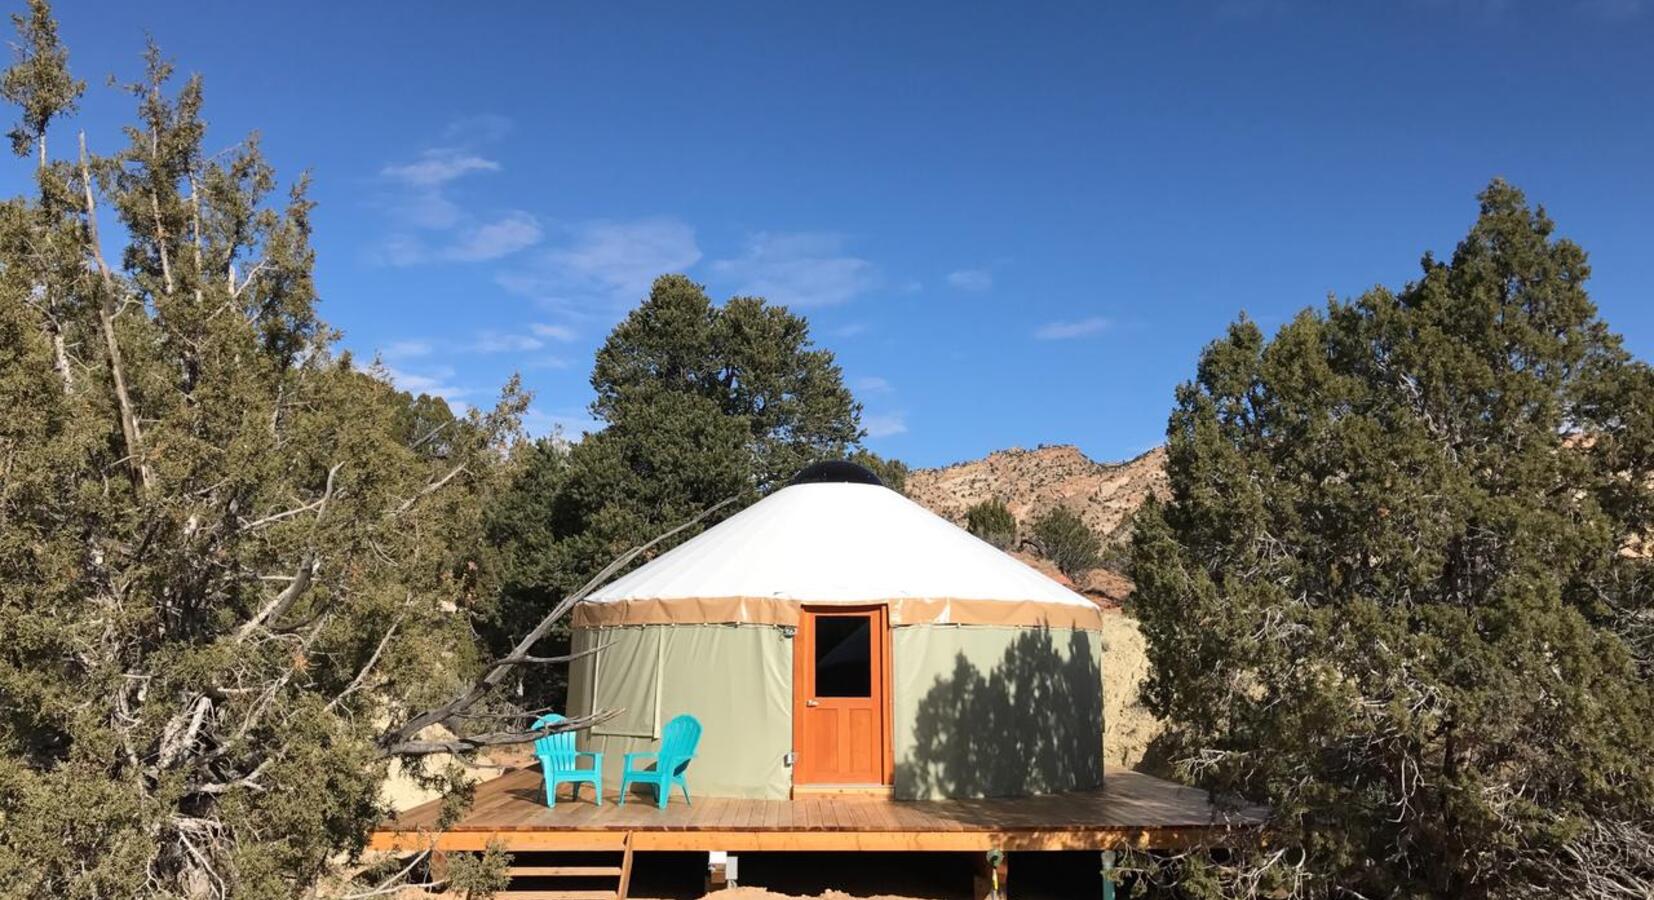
<point>839,703</point>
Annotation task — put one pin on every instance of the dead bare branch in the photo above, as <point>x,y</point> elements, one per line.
<point>398,739</point>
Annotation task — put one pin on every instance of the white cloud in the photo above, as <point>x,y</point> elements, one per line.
<point>570,424</point>
<point>487,341</point>
<point>555,332</point>
<point>419,202</point>
<point>799,269</point>
<point>438,166</point>
<point>510,233</point>
<point>885,425</point>
<point>426,208</point>
<point>399,250</point>
<point>406,349</point>
<point>971,279</point>
<point>503,342</point>
<point>872,384</point>
<point>1059,331</point>
<point>849,329</point>
<point>436,382</point>
<point>606,264</point>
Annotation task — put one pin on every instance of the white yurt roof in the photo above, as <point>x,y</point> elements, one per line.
<point>839,543</point>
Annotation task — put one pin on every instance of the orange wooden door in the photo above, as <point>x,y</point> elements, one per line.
<point>840,714</point>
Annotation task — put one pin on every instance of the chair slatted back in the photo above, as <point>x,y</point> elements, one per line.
<point>679,739</point>
<point>555,750</point>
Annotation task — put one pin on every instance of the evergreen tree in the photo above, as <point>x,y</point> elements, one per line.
<point>230,559</point>
<point>748,363</point>
<point>701,403</point>
<point>1400,590</point>
<point>892,472</point>
<point>991,520</point>
<point>1063,537</point>
<point>38,82</point>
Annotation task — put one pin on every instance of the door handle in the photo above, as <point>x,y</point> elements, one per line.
<point>812,703</point>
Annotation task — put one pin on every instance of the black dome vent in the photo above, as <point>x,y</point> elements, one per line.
<point>835,471</point>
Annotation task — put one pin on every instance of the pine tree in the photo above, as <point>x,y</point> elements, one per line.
<point>1401,589</point>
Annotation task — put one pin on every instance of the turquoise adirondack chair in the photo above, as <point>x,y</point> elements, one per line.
<point>677,747</point>
<point>558,762</point>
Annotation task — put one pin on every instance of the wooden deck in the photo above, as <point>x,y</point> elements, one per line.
<point>1131,810</point>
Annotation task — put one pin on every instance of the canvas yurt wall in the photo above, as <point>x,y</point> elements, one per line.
<point>988,674</point>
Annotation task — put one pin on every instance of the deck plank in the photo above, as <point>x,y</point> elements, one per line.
<point>1129,810</point>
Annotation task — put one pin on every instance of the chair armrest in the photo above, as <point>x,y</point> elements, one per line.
<point>642,754</point>
<point>592,754</point>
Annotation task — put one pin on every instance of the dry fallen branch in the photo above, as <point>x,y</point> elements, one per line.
<point>399,741</point>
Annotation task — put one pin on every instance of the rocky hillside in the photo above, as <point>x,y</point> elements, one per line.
<point>1033,481</point>
<point>1105,495</point>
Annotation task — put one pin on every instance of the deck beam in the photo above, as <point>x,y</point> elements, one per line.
<point>812,841</point>
<point>1130,812</point>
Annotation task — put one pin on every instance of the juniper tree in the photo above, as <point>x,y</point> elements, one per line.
<point>235,566</point>
<point>700,403</point>
<point>1401,589</point>
<point>1063,537</point>
<point>992,521</point>
<point>891,472</point>
<point>38,82</point>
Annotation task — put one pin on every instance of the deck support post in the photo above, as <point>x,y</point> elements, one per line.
<point>723,869</point>
<point>993,876</point>
<point>1109,856</point>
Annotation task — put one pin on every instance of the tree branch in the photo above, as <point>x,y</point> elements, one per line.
<point>542,660</point>
<point>361,676</point>
<point>396,739</point>
<point>235,293</point>
<point>468,743</point>
<point>106,323</point>
<point>428,490</point>
<point>302,576</point>
<point>394,883</point>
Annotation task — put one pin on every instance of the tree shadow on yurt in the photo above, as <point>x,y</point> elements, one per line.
<point>1030,725</point>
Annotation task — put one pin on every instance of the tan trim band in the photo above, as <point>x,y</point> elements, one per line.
<point>775,611</point>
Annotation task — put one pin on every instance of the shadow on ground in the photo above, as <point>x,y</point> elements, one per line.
<point>908,876</point>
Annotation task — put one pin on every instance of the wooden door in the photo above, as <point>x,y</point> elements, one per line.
<point>841,715</point>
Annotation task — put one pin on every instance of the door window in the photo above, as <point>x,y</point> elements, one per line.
<point>844,656</point>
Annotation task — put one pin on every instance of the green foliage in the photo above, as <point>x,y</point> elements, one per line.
<point>477,876</point>
<point>893,472</point>
<point>1064,538</point>
<point>229,554</point>
<point>750,363</point>
<point>1396,592</point>
<point>991,520</point>
<point>38,82</point>
<point>700,403</point>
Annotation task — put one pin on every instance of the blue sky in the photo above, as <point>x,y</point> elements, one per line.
<point>1013,223</point>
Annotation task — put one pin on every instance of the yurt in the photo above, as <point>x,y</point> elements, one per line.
<point>836,636</point>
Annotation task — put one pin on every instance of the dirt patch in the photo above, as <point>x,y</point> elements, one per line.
<point>401,791</point>
<point>1128,727</point>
